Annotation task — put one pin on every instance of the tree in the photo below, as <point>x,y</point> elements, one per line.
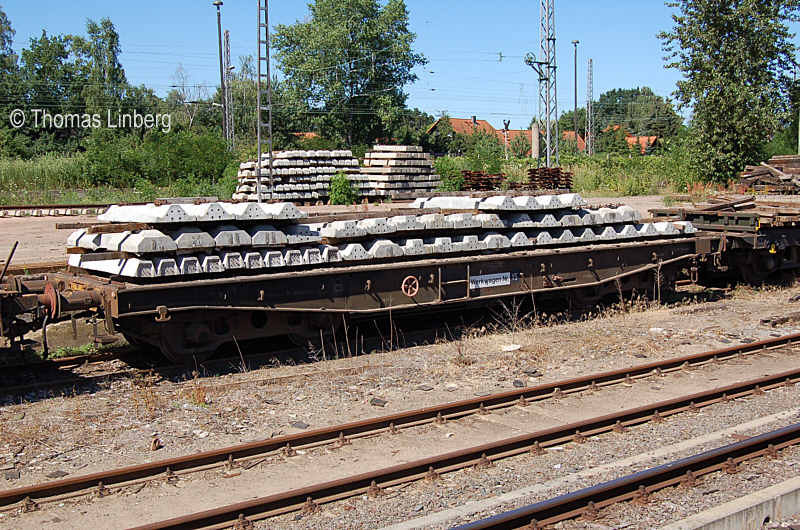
<point>520,146</point>
<point>734,57</point>
<point>567,121</point>
<point>11,143</point>
<point>98,57</point>
<point>348,62</point>
<point>185,96</point>
<point>640,111</point>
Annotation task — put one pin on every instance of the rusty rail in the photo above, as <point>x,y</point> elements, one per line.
<point>587,501</point>
<point>373,482</point>
<point>440,413</point>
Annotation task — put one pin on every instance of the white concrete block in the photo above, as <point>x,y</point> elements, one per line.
<point>498,202</point>
<point>472,243</point>
<point>166,267</point>
<point>526,202</point>
<point>489,220</point>
<point>442,245</point>
<point>210,211</point>
<point>212,264</point>
<point>282,210</point>
<point>413,247</point>
<point>609,215</point>
<point>245,211</point>
<point>188,265</point>
<point>136,268</point>
<point>453,203</point>
<point>435,221</point>
<point>376,226</point>
<point>267,236</point>
<point>383,248</point>
<point>232,260</point>
<point>570,220</point>
<point>627,232</point>
<point>75,237</point>
<point>74,260</point>
<point>273,258</point>
<point>463,220</point>
<point>607,234</point>
<point>292,258</point>
<point>544,220</point>
<point>312,256</point>
<point>330,254</point>
<point>496,241</point>
<point>253,260</point>
<point>230,236</point>
<point>342,230</point>
<point>541,238</point>
<point>548,202</point>
<point>419,202</point>
<point>586,235</point>
<point>354,252</point>
<point>563,236</point>
<point>191,237</point>
<point>405,223</point>
<point>646,230</point>
<point>146,242</point>
<point>629,215</point>
<point>571,200</point>
<point>588,218</point>
<point>520,240</point>
<point>665,228</point>
<point>147,213</point>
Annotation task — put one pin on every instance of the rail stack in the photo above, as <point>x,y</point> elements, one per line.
<point>297,175</point>
<point>180,240</point>
<point>781,174</point>
<point>477,181</point>
<point>550,178</point>
<point>395,170</point>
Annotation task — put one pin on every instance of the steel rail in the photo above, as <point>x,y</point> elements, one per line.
<point>373,482</point>
<point>685,471</point>
<point>440,413</point>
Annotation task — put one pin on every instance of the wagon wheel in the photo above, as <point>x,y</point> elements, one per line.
<point>410,286</point>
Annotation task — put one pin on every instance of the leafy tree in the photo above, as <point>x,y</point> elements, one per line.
<point>98,57</point>
<point>639,110</point>
<point>520,146</point>
<point>10,89</point>
<point>567,121</point>
<point>484,152</point>
<point>348,62</point>
<point>734,57</point>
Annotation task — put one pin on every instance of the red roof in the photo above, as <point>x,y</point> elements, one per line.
<point>306,135</point>
<point>570,136</point>
<point>466,126</point>
<point>643,141</point>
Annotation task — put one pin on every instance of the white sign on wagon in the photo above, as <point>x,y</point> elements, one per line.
<point>490,280</point>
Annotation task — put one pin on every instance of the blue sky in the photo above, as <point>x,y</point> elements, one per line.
<point>462,39</point>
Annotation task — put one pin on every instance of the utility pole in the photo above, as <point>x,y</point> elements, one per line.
<point>218,4</point>
<point>546,67</point>
<point>263,56</point>
<point>590,110</point>
<point>506,123</point>
<point>575,112</point>
<point>229,129</point>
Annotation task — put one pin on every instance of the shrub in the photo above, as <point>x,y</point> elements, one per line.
<point>341,191</point>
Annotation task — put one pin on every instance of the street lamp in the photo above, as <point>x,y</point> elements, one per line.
<point>218,4</point>
<point>575,113</point>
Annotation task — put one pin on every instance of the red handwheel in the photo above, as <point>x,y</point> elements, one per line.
<point>410,286</point>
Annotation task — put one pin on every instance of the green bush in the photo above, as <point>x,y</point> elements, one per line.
<point>484,153</point>
<point>449,168</point>
<point>341,191</point>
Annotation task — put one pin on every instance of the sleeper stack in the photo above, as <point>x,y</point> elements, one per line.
<point>178,240</point>
<point>297,175</point>
<point>390,170</point>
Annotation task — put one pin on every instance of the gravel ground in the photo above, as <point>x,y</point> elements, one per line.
<point>45,438</point>
<point>455,489</point>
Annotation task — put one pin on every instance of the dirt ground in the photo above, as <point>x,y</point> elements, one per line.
<point>40,241</point>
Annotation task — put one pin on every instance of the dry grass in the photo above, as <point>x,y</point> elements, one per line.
<point>147,401</point>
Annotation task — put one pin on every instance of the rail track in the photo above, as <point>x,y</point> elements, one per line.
<point>374,483</point>
<point>250,454</point>
<point>637,486</point>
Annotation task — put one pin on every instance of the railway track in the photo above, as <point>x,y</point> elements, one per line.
<point>375,482</point>
<point>637,486</point>
<point>250,454</point>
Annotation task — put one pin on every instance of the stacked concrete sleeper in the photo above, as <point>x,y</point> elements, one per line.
<point>214,238</point>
